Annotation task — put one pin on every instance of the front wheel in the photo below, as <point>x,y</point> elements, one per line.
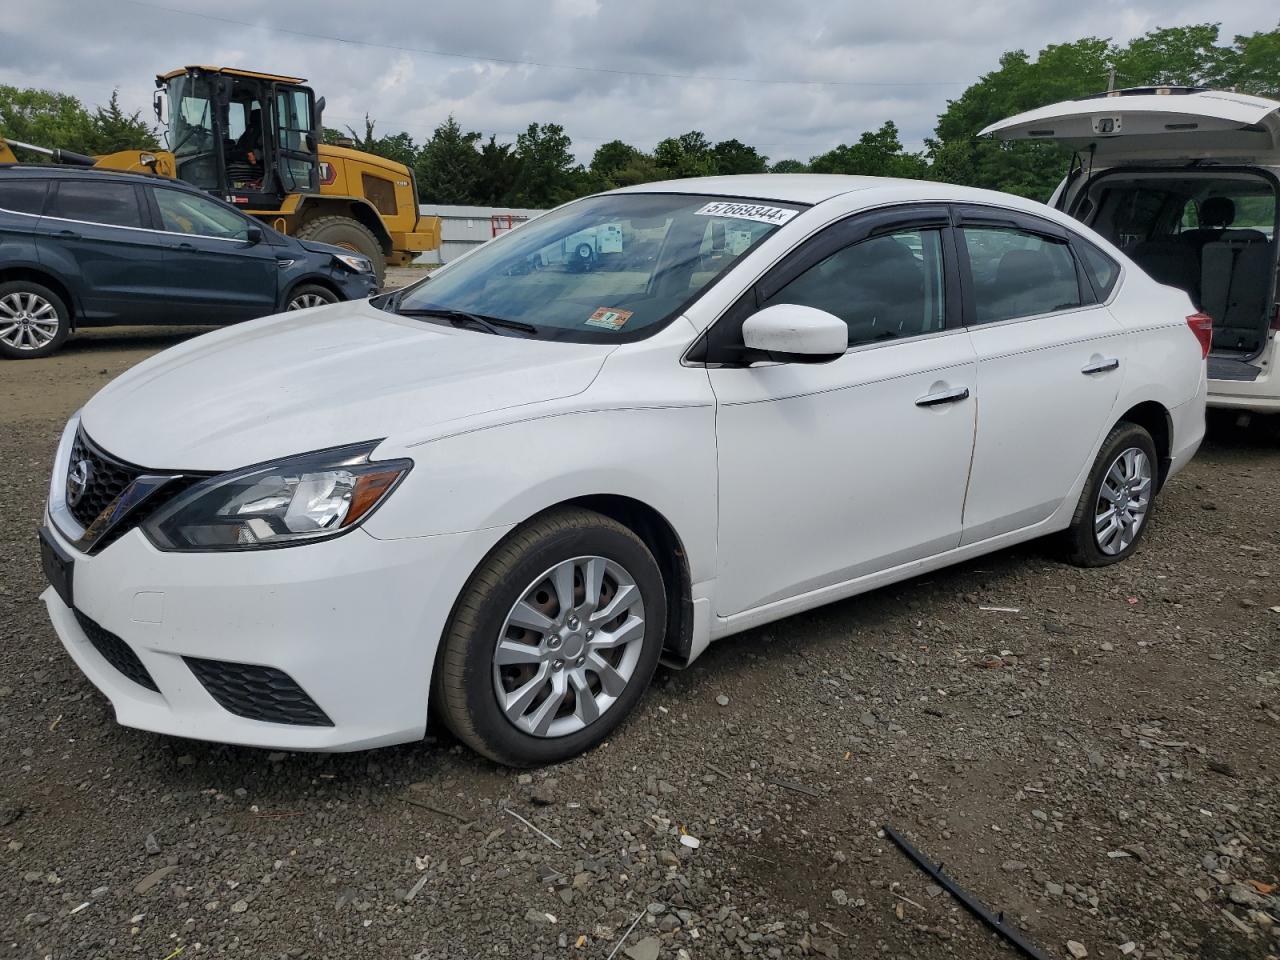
<point>1115,508</point>
<point>310,295</point>
<point>553,640</point>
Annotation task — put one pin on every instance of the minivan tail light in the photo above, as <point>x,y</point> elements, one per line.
<point>1275,318</point>
<point>1201,325</point>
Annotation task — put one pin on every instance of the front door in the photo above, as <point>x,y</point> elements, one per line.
<point>214,272</point>
<point>297,159</point>
<point>1050,364</point>
<point>829,472</point>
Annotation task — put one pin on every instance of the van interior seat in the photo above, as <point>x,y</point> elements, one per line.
<point>1216,215</point>
<point>1235,276</point>
<point>1171,262</point>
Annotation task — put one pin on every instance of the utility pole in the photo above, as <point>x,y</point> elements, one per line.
<point>1111,79</point>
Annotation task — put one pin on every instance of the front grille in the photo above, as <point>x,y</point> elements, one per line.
<point>116,652</point>
<point>258,693</point>
<point>107,478</point>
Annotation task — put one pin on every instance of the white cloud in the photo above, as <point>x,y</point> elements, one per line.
<point>898,65</point>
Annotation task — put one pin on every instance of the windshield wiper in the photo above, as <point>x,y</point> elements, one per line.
<point>462,317</point>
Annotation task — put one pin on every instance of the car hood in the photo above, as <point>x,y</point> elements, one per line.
<point>317,247</point>
<point>312,379</point>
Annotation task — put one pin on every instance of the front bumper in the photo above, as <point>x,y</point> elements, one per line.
<point>354,622</point>
<point>355,286</point>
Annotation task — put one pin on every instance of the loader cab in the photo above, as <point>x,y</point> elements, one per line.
<point>250,138</point>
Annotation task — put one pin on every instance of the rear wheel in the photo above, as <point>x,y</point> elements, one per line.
<point>34,321</point>
<point>1115,508</point>
<point>310,295</point>
<point>349,234</point>
<point>553,641</point>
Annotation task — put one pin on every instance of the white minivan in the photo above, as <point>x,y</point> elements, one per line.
<point>1184,180</point>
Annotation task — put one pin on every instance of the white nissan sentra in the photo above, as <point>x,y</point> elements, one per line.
<point>642,422</point>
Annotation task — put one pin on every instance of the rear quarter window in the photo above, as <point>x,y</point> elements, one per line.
<point>1103,272</point>
<point>23,196</point>
<point>99,201</point>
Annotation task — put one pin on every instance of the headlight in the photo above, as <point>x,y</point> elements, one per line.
<point>358,264</point>
<point>297,500</point>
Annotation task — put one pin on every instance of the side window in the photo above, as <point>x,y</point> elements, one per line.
<point>1102,270</point>
<point>884,287</point>
<point>1019,274</point>
<point>23,196</point>
<point>114,204</point>
<point>190,213</point>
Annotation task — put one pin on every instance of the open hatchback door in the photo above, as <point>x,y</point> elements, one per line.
<point>1186,182</point>
<point>1161,124</point>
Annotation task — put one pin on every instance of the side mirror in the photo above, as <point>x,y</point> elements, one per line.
<point>790,333</point>
<point>253,235</point>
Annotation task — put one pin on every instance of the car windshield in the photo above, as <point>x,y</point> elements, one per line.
<point>603,269</point>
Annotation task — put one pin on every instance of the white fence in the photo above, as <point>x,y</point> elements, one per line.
<point>462,228</point>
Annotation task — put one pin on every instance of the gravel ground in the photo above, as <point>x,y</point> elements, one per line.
<point>1098,757</point>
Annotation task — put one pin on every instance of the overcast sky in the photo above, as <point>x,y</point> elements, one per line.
<point>877,61</point>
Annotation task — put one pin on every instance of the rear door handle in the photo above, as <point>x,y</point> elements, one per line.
<point>954,395</point>
<point>1100,366</point>
<point>188,247</point>
<point>69,234</point>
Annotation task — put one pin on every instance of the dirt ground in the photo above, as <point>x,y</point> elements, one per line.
<point>1094,753</point>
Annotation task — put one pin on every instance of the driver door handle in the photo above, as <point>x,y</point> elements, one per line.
<point>69,234</point>
<point>1100,366</point>
<point>954,395</point>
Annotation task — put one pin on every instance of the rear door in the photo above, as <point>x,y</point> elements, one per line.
<point>94,233</point>
<point>1136,126</point>
<point>214,273</point>
<point>1050,363</point>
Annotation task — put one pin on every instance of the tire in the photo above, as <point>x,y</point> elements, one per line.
<point>1088,546</point>
<point>34,321</point>
<point>307,295</point>
<point>467,678</point>
<point>583,258</point>
<point>348,233</point>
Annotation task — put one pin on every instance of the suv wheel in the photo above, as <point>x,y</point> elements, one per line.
<point>33,320</point>
<point>310,295</point>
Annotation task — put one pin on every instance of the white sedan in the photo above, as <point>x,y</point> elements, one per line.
<point>506,492</point>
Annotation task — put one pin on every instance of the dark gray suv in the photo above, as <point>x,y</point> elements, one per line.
<point>81,248</point>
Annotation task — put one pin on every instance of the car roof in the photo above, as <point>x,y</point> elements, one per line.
<point>62,171</point>
<point>816,188</point>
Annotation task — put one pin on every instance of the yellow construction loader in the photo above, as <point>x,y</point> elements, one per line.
<point>254,140</point>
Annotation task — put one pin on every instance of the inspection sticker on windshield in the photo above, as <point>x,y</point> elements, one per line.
<point>746,211</point>
<point>610,318</point>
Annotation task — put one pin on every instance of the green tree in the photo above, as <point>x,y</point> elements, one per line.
<point>1177,56</point>
<point>113,129</point>
<point>397,146</point>
<point>611,157</point>
<point>878,153</point>
<point>448,166</point>
<point>1188,55</point>
<point>499,171</point>
<point>548,174</point>
<point>734,156</point>
<point>789,166</point>
<point>688,155</point>
<point>1255,67</point>
<point>46,119</point>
